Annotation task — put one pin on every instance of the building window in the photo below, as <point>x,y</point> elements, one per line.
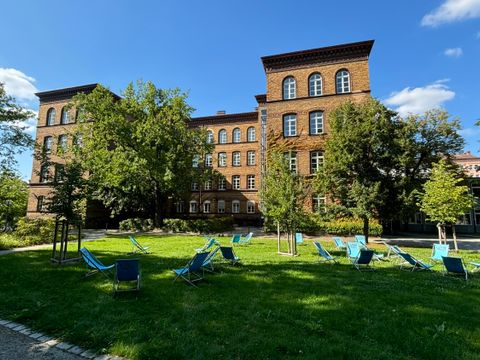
<point>179,207</point>
<point>251,134</point>
<point>222,159</point>
<point>342,80</point>
<point>222,184</point>
<point>318,203</point>
<point>236,182</point>
<point>251,158</point>
<point>235,206</point>
<point>221,206</point>
<point>62,142</point>
<point>250,182</point>
<point>78,140</point>
<point>206,207</point>
<point>44,174</point>
<point>51,117</point>
<point>208,185</point>
<point>316,161</point>
<point>193,206</point>
<point>289,88</point>
<point>290,125</point>
<point>250,207</point>
<point>291,157</point>
<point>222,136</point>
<point>210,137</point>
<point>208,160</point>
<point>195,161</point>
<point>316,122</point>
<point>47,144</point>
<point>194,186</point>
<point>40,203</point>
<point>236,158</point>
<point>59,173</point>
<point>65,118</point>
<point>237,135</point>
<point>315,85</point>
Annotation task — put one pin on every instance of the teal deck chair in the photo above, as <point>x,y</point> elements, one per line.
<point>94,264</point>
<point>439,251</point>
<point>339,244</point>
<point>299,238</point>
<point>228,254</point>
<point>127,271</point>
<point>194,270</point>
<point>208,245</point>
<point>454,266</point>
<point>363,260</point>
<point>246,239</point>
<point>412,263</point>
<point>137,247</point>
<point>236,238</point>
<point>324,253</point>
<point>361,240</point>
<point>353,250</point>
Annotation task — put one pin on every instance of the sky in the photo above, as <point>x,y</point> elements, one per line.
<point>426,52</point>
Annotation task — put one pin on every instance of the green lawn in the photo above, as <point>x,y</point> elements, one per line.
<point>270,307</point>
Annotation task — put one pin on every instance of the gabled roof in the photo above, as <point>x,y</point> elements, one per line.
<point>67,93</point>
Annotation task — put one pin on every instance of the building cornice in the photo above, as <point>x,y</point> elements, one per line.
<point>67,93</point>
<point>224,119</point>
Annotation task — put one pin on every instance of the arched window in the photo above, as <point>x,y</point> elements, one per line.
<point>47,144</point>
<point>235,206</point>
<point>251,134</point>
<point>237,135</point>
<point>210,137</point>
<point>342,81</point>
<point>193,206</point>
<point>51,116</point>
<point>289,88</point>
<point>290,125</point>
<point>250,207</point>
<point>316,122</point>
<point>206,207</point>
<point>222,136</point>
<point>65,118</point>
<point>315,85</point>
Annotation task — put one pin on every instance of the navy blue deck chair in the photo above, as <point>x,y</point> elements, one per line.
<point>454,266</point>
<point>127,271</point>
<point>228,254</point>
<point>363,260</point>
<point>324,253</point>
<point>193,271</point>
<point>94,264</point>
<point>137,247</point>
<point>412,263</point>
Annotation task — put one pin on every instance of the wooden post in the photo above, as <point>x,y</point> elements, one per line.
<point>79,236</point>
<point>454,233</point>
<point>55,234</point>
<point>278,236</point>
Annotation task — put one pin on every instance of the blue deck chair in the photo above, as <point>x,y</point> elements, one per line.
<point>228,254</point>
<point>191,272</point>
<point>476,266</point>
<point>339,243</point>
<point>324,253</point>
<point>246,239</point>
<point>208,263</point>
<point>236,238</point>
<point>363,260</point>
<point>127,271</point>
<point>353,250</point>
<point>210,243</point>
<point>412,262</point>
<point>137,247</point>
<point>299,238</point>
<point>454,266</point>
<point>93,263</point>
<point>439,251</point>
<point>361,240</point>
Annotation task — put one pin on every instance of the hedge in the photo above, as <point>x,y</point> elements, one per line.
<point>136,224</point>
<point>202,226</point>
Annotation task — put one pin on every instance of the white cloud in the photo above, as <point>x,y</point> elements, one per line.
<point>420,99</point>
<point>453,52</point>
<point>451,11</point>
<point>18,84</point>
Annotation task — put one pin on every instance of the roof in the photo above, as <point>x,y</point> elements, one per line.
<point>348,51</point>
<point>67,93</point>
<point>466,156</point>
<point>224,119</point>
<point>261,98</point>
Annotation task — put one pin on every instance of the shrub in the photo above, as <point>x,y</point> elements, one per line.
<point>8,241</point>
<point>212,225</point>
<point>35,231</point>
<point>136,224</point>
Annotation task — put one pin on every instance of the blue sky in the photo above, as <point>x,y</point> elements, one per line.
<point>426,52</point>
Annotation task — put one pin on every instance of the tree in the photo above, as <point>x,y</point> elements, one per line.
<point>139,148</point>
<point>282,196</point>
<point>13,138</point>
<point>13,199</point>
<point>444,198</point>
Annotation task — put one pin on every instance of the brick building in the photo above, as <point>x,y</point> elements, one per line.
<point>303,87</point>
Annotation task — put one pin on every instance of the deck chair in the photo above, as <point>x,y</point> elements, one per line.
<point>95,264</point>
<point>228,254</point>
<point>413,263</point>
<point>208,263</point>
<point>439,251</point>
<point>137,247</point>
<point>210,243</point>
<point>339,243</point>
<point>236,238</point>
<point>454,266</point>
<point>363,260</point>
<point>299,238</point>
<point>127,271</point>
<point>361,240</point>
<point>353,250</point>
<point>246,239</point>
<point>476,266</point>
<point>191,272</point>
<point>324,253</point>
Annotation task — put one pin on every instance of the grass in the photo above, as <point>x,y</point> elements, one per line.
<point>270,307</point>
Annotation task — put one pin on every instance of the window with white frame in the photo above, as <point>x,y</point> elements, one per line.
<point>194,186</point>
<point>316,161</point>
<point>315,85</point>
<point>222,136</point>
<point>193,206</point>
<point>319,203</point>
<point>51,113</point>
<point>289,88</point>
<point>40,203</point>
<point>290,125</point>
<point>47,144</point>
<point>236,158</point>
<point>206,207</point>
<point>251,134</point>
<point>210,138</point>
<point>180,207</point>
<point>208,185</point>
<point>235,206</point>
<point>291,157</point>
<point>222,159</point>
<point>78,140</point>
<point>342,81</point>
<point>316,122</point>
<point>221,206</point>
<point>250,182</point>
<point>237,135</point>
<point>65,118</point>
<point>208,160</point>
<point>250,207</point>
<point>236,182</point>
<point>222,184</point>
<point>62,142</point>
<point>251,157</point>
<point>195,161</point>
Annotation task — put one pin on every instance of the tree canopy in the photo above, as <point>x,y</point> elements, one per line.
<point>13,199</point>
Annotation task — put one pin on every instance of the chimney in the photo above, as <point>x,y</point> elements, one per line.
<point>221,112</point>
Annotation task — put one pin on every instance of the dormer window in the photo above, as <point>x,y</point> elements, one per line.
<point>289,88</point>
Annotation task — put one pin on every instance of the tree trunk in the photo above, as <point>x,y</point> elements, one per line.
<point>158,219</point>
<point>278,236</point>
<point>454,233</point>
<point>439,228</point>
<point>365,228</point>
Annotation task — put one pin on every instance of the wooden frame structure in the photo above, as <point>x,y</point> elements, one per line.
<point>62,228</point>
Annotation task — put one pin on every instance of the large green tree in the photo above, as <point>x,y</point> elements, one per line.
<point>13,199</point>
<point>139,148</point>
<point>13,138</point>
